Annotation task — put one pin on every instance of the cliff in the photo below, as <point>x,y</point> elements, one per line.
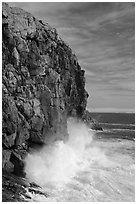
<point>43,84</point>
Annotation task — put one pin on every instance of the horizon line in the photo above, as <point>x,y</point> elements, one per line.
<point>110,111</point>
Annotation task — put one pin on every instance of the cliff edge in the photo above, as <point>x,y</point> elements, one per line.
<point>43,84</point>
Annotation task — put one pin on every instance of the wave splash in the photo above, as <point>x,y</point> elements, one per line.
<point>84,168</point>
<point>56,164</point>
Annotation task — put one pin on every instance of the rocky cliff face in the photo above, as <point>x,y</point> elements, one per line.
<point>43,84</point>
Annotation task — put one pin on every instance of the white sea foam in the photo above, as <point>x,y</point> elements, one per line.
<point>83,169</point>
<point>59,162</point>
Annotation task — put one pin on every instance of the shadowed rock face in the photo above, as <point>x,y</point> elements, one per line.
<point>43,84</point>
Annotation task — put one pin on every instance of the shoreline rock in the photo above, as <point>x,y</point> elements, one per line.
<point>91,122</point>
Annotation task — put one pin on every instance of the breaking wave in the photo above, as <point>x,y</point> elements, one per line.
<point>84,168</point>
<point>59,162</point>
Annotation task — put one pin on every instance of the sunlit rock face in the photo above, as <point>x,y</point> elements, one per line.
<point>43,84</point>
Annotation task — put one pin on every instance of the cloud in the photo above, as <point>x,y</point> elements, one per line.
<point>102,35</point>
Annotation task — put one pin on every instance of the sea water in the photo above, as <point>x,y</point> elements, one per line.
<point>92,166</point>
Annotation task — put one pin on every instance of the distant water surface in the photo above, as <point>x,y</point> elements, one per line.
<point>116,125</point>
<point>115,118</point>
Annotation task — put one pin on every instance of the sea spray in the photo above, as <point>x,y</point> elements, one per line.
<point>83,169</point>
<point>57,163</point>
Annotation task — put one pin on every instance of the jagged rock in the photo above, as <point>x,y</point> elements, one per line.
<point>91,122</point>
<point>6,159</point>
<point>16,158</point>
<point>95,126</point>
<point>8,140</point>
<point>43,84</point>
<point>17,189</point>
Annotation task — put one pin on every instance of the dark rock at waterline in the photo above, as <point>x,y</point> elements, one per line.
<point>95,126</point>
<point>17,189</point>
<point>43,84</point>
<point>91,122</point>
<point>13,188</point>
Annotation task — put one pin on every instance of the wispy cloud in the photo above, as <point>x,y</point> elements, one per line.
<point>102,36</point>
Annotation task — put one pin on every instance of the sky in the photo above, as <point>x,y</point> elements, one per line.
<point>102,35</point>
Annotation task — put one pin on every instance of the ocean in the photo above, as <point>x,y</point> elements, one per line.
<point>103,172</point>
<point>116,125</point>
